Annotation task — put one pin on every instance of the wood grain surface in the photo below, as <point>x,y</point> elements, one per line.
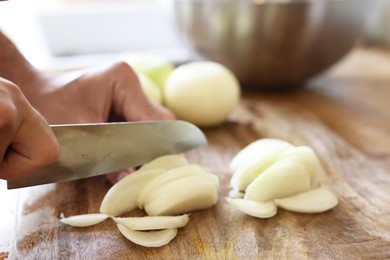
<point>343,115</point>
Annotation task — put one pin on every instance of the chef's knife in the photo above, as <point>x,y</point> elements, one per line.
<point>93,149</point>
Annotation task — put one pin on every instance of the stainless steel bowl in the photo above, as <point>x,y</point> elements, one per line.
<point>272,44</point>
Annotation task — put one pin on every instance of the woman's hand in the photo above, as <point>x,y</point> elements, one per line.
<point>27,142</point>
<point>109,93</point>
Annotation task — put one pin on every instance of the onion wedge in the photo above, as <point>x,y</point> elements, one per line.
<point>153,222</point>
<point>313,201</point>
<point>148,239</point>
<point>166,162</point>
<point>258,149</point>
<point>147,191</point>
<point>284,178</point>
<point>268,152</point>
<point>122,197</point>
<point>254,208</point>
<point>84,220</point>
<point>184,195</point>
<point>306,156</point>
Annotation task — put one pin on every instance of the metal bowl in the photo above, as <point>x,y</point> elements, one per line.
<point>272,44</point>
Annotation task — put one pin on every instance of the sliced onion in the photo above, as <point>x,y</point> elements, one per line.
<point>154,222</point>
<point>146,193</point>
<point>306,156</point>
<point>84,220</point>
<point>254,208</point>
<point>313,201</point>
<point>284,178</point>
<point>150,238</point>
<point>184,195</point>
<point>235,194</point>
<point>267,152</point>
<point>256,149</point>
<point>167,162</point>
<point>122,197</point>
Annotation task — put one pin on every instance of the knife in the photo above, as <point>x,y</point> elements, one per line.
<point>93,149</point>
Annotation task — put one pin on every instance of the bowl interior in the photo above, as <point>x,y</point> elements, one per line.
<point>273,44</point>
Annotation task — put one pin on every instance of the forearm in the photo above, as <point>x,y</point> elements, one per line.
<point>14,67</point>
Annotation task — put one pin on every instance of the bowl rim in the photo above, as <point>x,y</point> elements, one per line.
<point>260,2</point>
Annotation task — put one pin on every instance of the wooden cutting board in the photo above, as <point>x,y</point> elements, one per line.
<point>343,116</point>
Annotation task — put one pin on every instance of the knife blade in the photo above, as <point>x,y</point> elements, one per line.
<point>93,149</point>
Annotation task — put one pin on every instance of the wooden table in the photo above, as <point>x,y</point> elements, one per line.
<point>344,115</point>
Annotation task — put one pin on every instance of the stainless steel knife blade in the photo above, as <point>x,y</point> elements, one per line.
<point>93,149</point>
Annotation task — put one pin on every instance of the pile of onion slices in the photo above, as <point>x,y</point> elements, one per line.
<point>167,188</point>
<point>271,173</point>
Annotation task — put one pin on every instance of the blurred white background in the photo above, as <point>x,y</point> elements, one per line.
<point>63,34</point>
<point>66,34</point>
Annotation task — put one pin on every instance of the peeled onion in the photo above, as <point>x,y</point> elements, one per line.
<point>150,89</point>
<point>202,92</point>
<point>155,67</point>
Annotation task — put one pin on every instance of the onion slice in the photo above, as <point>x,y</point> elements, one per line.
<point>235,194</point>
<point>166,162</point>
<point>84,220</point>
<point>257,163</point>
<point>258,149</point>
<point>313,201</point>
<point>149,238</point>
<point>283,178</point>
<point>306,156</point>
<point>153,222</point>
<point>183,195</point>
<point>146,193</point>
<point>254,208</point>
<point>122,197</point>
